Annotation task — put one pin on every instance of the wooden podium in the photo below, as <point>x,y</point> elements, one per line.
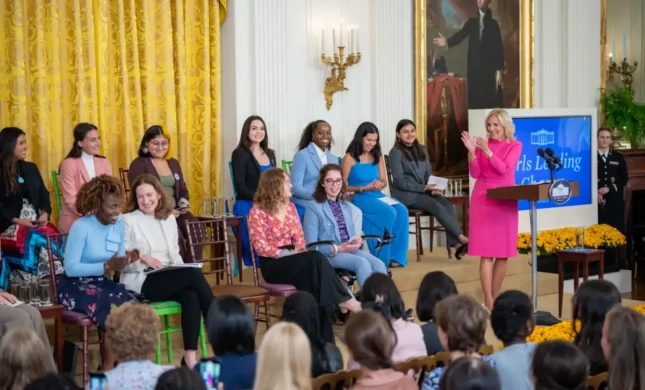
<point>533,193</point>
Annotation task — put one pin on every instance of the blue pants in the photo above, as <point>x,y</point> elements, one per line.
<point>359,262</point>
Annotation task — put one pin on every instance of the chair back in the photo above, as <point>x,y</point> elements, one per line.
<point>337,380</point>
<point>58,195</point>
<point>286,166</point>
<point>486,350</point>
<point>56,244</point>
<point>256,278</point>
<point>388,170</point>
<point>442,359</point>
<point>598,382</point>
<point>421,366</point>
<point>213,233</point>
<point>230,169</point>
<point>123,174</point>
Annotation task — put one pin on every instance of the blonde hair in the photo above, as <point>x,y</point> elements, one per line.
<point>23,359</point>
<point>284,359</point>
<point>506,120</point>
<point>626,338</point>
<point>131,331</point>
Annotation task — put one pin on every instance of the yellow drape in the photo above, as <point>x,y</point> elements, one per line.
<point>123,65</point>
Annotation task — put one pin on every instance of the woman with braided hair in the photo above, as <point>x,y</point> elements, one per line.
<point>95,246</point>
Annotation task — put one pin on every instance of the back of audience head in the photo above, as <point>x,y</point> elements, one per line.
<point>301,309</point>
<point>231,328</point>
<point>434,287</point>
<point>254,129</point>
<point>23,358</point>
<point>623,344</point>
<point>591,302</point>
<point>559,365</point>
<point>181,378</point>
<point>380,293</point>
<point>274,190</point>
<point>53,382</point>
<point>284,359</point>
<point>370,340</point>
<point>131,331</point>
<point>314,132</point>
<point>512,317</point>
<point>461,323</point>
<point>469,373</point>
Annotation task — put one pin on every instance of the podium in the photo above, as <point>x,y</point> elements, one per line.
<point>533,193</point>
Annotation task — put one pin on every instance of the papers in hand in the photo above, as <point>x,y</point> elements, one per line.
<point>172,267</point>
<point>17,303</point>
<point>388,200</point>
<point>440,183</point>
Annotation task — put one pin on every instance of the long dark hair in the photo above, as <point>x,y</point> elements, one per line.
<point>152,132</point>
<point>308,135</point>
<point>8,141</point>
<point>591,303</point>
<point>435,287</point>
<point>80,131</point>
<point>319,194</point>
<point>469,373</point>
<point>245,142</point>
<point>355,148</point>
<point>413,153</point>
<point>381,288</point>
<point>230,326</point>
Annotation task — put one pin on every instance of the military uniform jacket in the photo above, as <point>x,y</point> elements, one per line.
<point>612,173</point>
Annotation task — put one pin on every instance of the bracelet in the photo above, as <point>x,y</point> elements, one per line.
<point>472,159</point>
<point>489,154</point>
<point>334,250</point>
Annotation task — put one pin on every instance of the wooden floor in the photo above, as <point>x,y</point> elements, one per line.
<point>465,272</point>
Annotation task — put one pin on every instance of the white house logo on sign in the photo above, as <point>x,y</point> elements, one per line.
<point>542,137</point>
<point>560,191</point>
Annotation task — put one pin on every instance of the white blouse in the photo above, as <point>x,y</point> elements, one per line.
<point>88,161</point>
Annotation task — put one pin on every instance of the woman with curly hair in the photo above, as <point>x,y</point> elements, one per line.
<point>278,239</point>
<point>95,246</point>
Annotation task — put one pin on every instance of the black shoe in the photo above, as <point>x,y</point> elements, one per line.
<point>461,251</point>
<point>408,315</point>
<point>183,362</point>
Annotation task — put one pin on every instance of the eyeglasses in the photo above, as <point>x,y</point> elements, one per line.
<point>336,182</point>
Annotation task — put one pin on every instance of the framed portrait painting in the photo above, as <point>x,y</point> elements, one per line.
<point>469,54</point>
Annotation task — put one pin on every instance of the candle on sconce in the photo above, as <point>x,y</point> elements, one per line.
<point>334,41</point>
<point>356,38</point>
<point>624,44</point>
<point>341,32</point>
<point>351,39</point>
<point>613,41</point>
<point>322,44</point>
<point>358,47</point>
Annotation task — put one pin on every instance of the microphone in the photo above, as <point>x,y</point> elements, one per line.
<point>542,154</point>
<point>551,154</point>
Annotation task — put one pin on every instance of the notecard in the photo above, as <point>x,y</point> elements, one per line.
<point>440,183</point>
<point>388,200</point>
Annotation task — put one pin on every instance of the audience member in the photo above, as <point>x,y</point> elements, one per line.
<point>131,334</point>
<point>410,167</point>
<point>53,382</point>
<point>154,159</point>
<point>469,373</point>
<point>96,246</point>
<point>181,378</point>
<point>462,324</point>
<point>591,302</point>
<point>314,152</point>
<point>434,287</point>
<point>150,228</point>
<point>513,321</point>
<point>559,365</point>
<point>623,345</point>
<point>231,332</point>
<point>329,218</point>
<point>274,226</point>
<point>381,294</point>
<point>301,309</point>
<point>284,359</point>
<point>23,359</point>
<point>371,342</point>
<point>82,164</point>
<point>364,173</point>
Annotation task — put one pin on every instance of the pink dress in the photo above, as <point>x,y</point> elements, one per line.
<point>493,223</point>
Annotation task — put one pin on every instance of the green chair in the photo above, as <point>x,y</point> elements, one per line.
<point>57,194</point>
<point>166,309</point>
<point>286,166</point>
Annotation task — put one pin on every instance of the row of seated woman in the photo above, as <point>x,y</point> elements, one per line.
<point>363,177</point>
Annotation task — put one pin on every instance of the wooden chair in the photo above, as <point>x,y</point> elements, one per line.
<point>442,359</point>
<point>598,382</point>
<point>123,174</point>
<point>417,215</point>
<point>213,233</point>
<point>340,379</point>
<point>56,247</point>
<point>286,166</point>
<point>420,366</point>
<point>486,350</point>
<point>58,195</point>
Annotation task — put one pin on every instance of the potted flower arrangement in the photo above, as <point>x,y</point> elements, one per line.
<point>624,115</point>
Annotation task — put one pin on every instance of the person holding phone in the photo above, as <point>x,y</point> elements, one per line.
<point>329,217</point>
<point>96,246</point>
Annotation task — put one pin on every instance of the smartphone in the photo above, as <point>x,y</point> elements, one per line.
<point>182,208</point>
<point>97,381</point>
<point>209,370</point>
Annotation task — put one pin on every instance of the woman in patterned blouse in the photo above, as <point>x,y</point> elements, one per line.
<point>278,239</point>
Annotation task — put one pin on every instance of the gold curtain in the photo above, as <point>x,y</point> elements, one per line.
<point>123,65</point>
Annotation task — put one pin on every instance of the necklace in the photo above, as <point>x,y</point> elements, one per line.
<point>20,179</point>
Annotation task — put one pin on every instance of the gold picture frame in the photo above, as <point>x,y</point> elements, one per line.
<point>420,61</point>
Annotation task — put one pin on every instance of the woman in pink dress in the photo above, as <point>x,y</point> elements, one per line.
<point>492,161</point>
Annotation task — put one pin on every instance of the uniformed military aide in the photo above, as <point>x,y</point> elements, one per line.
<point>612,178</point>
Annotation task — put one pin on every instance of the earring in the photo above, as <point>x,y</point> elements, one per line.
<point>144,149</point>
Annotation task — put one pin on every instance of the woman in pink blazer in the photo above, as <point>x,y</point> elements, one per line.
<point>81,165</point>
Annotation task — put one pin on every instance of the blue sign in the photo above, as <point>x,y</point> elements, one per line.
<point>570,139</point>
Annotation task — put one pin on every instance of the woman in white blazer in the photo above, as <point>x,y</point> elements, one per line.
<point>329,218</point>
<point>151,228</point>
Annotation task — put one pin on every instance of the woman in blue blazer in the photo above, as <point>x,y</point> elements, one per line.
<point>314,152</point>
<point>329,217</point>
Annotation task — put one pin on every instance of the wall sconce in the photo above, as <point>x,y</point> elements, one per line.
<point>338,63</point>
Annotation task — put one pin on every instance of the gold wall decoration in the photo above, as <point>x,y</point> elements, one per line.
<point>339,64</point>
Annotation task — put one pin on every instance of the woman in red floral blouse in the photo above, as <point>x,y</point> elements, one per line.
<point>278,239</point>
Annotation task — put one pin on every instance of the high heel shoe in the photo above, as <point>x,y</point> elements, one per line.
<point>183,362</point>
<point>461,251</point>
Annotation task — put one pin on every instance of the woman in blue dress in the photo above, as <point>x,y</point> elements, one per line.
<point>364,172</point>
<point>251,157</point>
